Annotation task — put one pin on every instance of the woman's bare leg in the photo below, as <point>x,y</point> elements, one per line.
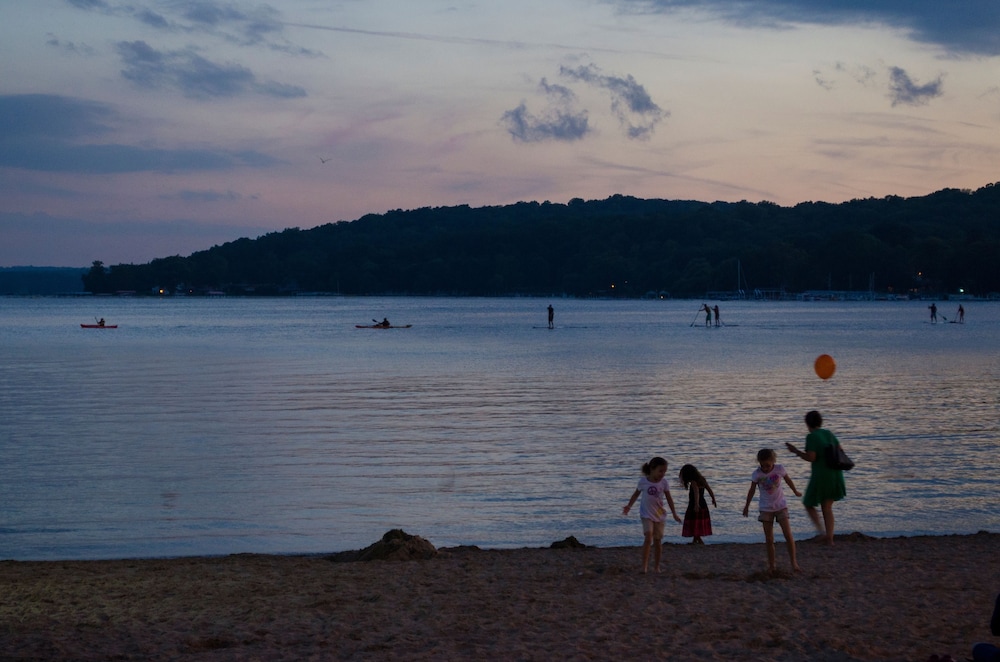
<point>828,520</point>
<point>814,517</point>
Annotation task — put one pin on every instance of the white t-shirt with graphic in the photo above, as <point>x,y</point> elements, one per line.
<point>772,496</point>
<point>651,504</point>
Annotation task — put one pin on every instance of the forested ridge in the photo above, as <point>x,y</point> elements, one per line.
<point>945,242</point>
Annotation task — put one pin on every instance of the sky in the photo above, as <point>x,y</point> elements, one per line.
<point>138,129</point>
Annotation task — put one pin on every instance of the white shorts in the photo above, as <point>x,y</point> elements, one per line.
<point>655,528</point>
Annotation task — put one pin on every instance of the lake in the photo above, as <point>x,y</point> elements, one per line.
<point>205,426</point>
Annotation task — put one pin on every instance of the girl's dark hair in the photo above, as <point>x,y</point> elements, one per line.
<point>765,454</point>
<point>814,420</point>
<point>690,474</point>
<point>648,467</point>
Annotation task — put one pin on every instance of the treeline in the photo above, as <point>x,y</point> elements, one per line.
<point>622,246</point>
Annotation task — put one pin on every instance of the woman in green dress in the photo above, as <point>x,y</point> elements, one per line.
<point>826,485</point>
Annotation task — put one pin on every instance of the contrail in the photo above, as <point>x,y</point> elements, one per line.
<point>479,41</point>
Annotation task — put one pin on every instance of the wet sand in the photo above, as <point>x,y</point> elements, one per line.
<point>862,599</point>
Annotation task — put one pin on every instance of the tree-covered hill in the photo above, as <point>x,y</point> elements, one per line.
<point>941,243</point>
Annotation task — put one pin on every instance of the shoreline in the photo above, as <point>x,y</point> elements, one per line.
<point>903,598</point>
<point>673,540</point>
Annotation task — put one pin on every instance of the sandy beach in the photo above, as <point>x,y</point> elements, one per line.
<point>862,599</point>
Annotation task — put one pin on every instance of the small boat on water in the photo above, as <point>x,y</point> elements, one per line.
<point>381,326</point>
<point>98,326</point>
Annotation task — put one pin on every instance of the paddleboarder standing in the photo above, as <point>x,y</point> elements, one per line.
<point>552,317</point>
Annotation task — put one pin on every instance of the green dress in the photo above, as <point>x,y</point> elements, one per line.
<point>824,483</point>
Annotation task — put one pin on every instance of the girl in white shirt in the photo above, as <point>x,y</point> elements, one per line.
<point>654,489</point>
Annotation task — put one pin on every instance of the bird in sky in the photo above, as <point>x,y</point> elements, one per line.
<point>322,160</point>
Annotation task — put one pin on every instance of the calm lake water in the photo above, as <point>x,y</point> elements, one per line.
<point>216,426</point>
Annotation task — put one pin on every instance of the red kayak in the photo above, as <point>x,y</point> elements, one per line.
<point>98,326</point>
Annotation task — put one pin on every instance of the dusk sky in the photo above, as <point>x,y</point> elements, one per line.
<point>136,129</point>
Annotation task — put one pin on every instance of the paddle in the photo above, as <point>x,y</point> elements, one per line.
<point>696,316</point>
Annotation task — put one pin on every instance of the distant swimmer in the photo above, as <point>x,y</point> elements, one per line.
<point>552,317</point>
<point>933,309</point>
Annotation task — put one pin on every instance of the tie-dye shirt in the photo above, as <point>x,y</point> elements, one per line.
<point>772,496</point>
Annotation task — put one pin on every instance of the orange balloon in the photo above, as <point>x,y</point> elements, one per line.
<point>825,366</point>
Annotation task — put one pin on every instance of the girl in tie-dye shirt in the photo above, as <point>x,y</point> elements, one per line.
<point>772,503</point>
